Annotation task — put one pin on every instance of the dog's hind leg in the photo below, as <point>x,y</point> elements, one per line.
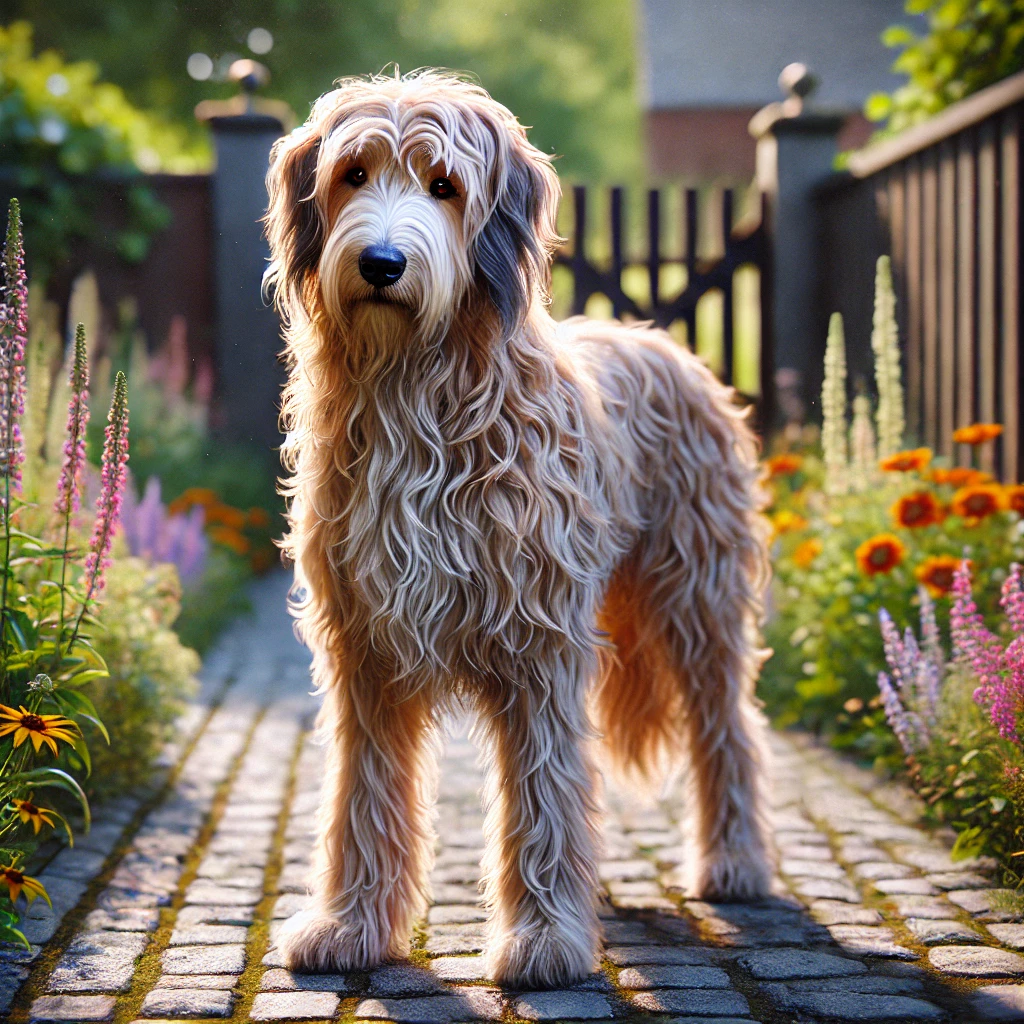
<point>374,845</point>
<point>540,873</point>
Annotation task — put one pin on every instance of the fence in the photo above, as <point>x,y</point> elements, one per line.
<point>944,199</point>
<point>704,260</point>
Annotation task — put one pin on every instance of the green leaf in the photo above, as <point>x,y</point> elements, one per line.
<point>56,778</point>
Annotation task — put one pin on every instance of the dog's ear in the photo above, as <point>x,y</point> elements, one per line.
<point>294,225</point>
<point>512,251</point>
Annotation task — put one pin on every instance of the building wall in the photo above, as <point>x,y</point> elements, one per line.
<point>706,67</point>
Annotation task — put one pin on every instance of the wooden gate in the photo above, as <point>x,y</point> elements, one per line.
<point>738,244</point>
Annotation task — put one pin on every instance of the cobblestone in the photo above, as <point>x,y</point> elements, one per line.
<point>871,919</point>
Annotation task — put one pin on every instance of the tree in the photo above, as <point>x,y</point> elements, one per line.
<point>970,44</point>
<point>565,67</point>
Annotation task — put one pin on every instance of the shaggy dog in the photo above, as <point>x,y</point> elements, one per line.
<point>553,524</point>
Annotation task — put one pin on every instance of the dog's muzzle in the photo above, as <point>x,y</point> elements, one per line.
<point>381,265</point>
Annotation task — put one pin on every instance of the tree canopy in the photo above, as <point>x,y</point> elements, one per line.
<point>565,67</point>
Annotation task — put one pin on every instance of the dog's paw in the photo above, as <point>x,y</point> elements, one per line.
<point>314,942</point>
<point>546,956</point>
<point>730,877</point>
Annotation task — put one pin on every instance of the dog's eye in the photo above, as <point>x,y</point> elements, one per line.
<point>442,188</point>
<point>356,176</point>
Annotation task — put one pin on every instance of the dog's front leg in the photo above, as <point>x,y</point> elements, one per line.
<point>375,838</point>
<point>540,874</point>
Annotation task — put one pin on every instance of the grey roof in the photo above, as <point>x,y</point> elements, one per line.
<point>728,53</point>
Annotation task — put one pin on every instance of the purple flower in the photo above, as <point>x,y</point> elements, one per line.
<point>896,714</point>
<point>153,534</point>
<point>114,473</point>
<point>69,484</point>
<point>13,335</point>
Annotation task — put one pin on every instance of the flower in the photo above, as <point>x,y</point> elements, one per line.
<point>114,474</point>
<point>1014,496</point>
<point>916,510</point>
<point>230,538</point>
<point>977,433</point>
<point>17,882</point>
<point>880,554</point>
<point>40,729</point>
<point>192,496</point>
<point>259,517</point>
<point>806,552</point>
<point>783,465</point>
<point>961,476</point>
<point>853,706</point>
<point>885,344</point>
<point>936,573</point>
<point>234,518</point>
<point>13,336</point>
<point>908,461</point>
<point>78,419</point>
<point>30,812</point>
<point>786,521</point>
<point>975,503</point>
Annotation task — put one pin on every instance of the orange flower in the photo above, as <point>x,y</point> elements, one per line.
<point>259,517</point>
<point>806,552</point>
<point>916,510</point>
<point>906,462</point>
<point>192,496</point>
<point>880,554</point>
<point>960,476</point>
<point>230,538</point>
<point>17,882</point>
<point>977,433</point>
<point>976,503</point>
<point>30,812</point>
<point>787,522</point>
<point>783,465</point>
<point>1014,496</point>
<point>936,573</point>
<point>234,518</point>
<point>40,729</point>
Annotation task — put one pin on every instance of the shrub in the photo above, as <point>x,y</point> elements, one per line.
<point>59,128</point>
<point>969,44</point>
<point>860,526</point>
<point>958,722</point>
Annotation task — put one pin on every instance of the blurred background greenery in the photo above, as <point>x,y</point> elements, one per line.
<point>566,67</point>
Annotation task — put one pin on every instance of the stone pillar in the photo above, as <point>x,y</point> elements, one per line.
<point>796,151</point>
<point>248,334</point>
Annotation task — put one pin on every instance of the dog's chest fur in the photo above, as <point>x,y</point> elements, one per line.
<point>469,537</point>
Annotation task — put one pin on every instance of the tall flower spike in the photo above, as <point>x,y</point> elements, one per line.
<point>114,475</point>
<point>885,344</point>
<point>68,490</point>
<point>833,409</point>
<point>864,462</point>
<point>13,336</point>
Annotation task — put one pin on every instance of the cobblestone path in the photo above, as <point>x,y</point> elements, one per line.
<point>167,910</point>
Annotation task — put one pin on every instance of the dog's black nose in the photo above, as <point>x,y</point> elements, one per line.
<point>381,265</point>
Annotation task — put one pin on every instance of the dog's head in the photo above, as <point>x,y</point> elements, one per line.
<point>401,197</point>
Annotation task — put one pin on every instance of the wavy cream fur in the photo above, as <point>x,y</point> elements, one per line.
<point>553,524</point>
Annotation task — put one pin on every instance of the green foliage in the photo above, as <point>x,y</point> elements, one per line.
<point>824,630</point>
<point>59,128</point>
<point>970,44</point>
<point>151,672</point>
<point>565,67</point>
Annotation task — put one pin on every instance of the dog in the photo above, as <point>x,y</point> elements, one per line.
<point>554,525</point>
